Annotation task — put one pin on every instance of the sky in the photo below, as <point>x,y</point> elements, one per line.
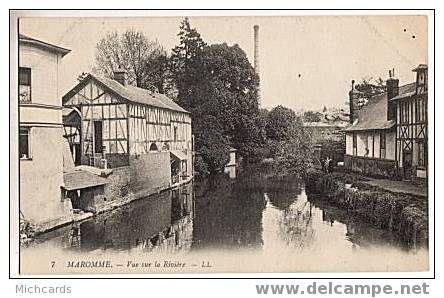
<point>306,62</point>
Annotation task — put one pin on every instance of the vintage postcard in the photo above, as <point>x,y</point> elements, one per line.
<point>184,142</point>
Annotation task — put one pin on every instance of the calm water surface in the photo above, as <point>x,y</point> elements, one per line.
<point>253,211</point>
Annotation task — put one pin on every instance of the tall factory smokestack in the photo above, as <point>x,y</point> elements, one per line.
<point>256,59</point>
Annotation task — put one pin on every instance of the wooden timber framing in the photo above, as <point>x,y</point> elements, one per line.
<point>128,128</point>
<point>411,131</point>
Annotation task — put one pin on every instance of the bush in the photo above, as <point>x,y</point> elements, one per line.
<point>27,231</point>
<point>401,213</point>
<point>200,167</point>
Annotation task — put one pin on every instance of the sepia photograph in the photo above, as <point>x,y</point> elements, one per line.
<point>188,143</point>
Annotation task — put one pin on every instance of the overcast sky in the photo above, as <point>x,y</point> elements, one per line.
<point>306,62</point>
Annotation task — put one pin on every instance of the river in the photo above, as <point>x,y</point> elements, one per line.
<point>264,222</point>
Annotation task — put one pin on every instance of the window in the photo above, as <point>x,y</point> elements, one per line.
<point>24,84</point>
<point>382,144</point>
<point>175,133</point>
<point>153,147</point>
<point>421,154</point>
<point>355,144</point>
<point>24,143</point>
<point>405,112</point>
<point>166,147</point>
<point>421,109</point>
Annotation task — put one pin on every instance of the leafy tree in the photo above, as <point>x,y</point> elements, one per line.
<point>295,154</point>
<point>144,60</point>
<point>217,81</point>
<point>310,116</point>
<point>235,87</point>
<point>213,145</point>
<point>370,87</point>
<point>279,121</point>
<point>187,67</point>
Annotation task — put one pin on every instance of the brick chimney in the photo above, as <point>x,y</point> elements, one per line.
<point>353,96</point>
<point>121,76</point>
<point>392,85</point>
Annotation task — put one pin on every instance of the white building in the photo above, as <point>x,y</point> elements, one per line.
<point>40,136</point>
<point>388,129</point>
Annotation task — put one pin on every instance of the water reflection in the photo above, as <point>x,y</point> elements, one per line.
<point>253,211</point>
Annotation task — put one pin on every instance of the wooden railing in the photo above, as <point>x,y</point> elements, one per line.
<point>370,166</point>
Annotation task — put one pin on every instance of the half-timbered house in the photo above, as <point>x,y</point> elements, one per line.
<point>388,134</point>
<point>411,127</point>
<point>113,124</point>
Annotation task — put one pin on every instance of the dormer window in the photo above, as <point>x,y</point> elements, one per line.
<point>24,84</point>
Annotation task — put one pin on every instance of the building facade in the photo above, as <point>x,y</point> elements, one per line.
<point>411,127</point>
<point>40,134</point>
<point>387,135</point>
<point>111,124</point>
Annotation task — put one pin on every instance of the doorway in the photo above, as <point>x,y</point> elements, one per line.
<point>98,137</point>
<point>407,164</point>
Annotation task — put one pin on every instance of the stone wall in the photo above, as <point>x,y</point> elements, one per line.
<point>150,172</point>
<point>325,133</point>
<point>118,186</point>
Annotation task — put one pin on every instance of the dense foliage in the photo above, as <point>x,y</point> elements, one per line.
<point>219,87</point>
<point>279,123</point>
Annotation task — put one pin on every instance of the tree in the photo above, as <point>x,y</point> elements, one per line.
<point>213,145</point>
<point>145,61</point>
<point>187,66</point>
<point>217,82</point>
<point>234,92</point>
<point>295,154</point>
<point>279,121</point>
<point>370,87</point>
<point>310,116</point>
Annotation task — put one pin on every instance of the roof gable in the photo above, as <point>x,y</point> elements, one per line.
<point>128,93</point>
<point>49,47</point>
<point>373,116</point>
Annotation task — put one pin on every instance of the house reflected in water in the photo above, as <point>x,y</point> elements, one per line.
<point>254,212</point>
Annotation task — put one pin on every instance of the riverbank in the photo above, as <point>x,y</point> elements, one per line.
<point>29,230</point>
<point>402,213</point>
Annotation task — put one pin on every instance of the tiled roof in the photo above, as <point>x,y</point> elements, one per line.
<point>81,179</point>
<point>407,91</point>
<point>134,94</point>
<point>373,116</point>
<point>178,154</point>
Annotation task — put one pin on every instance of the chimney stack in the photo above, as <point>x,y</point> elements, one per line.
<point>256,59</point>
<point>392,85</point>
<point>120,75</point>
<point>353,102</point>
